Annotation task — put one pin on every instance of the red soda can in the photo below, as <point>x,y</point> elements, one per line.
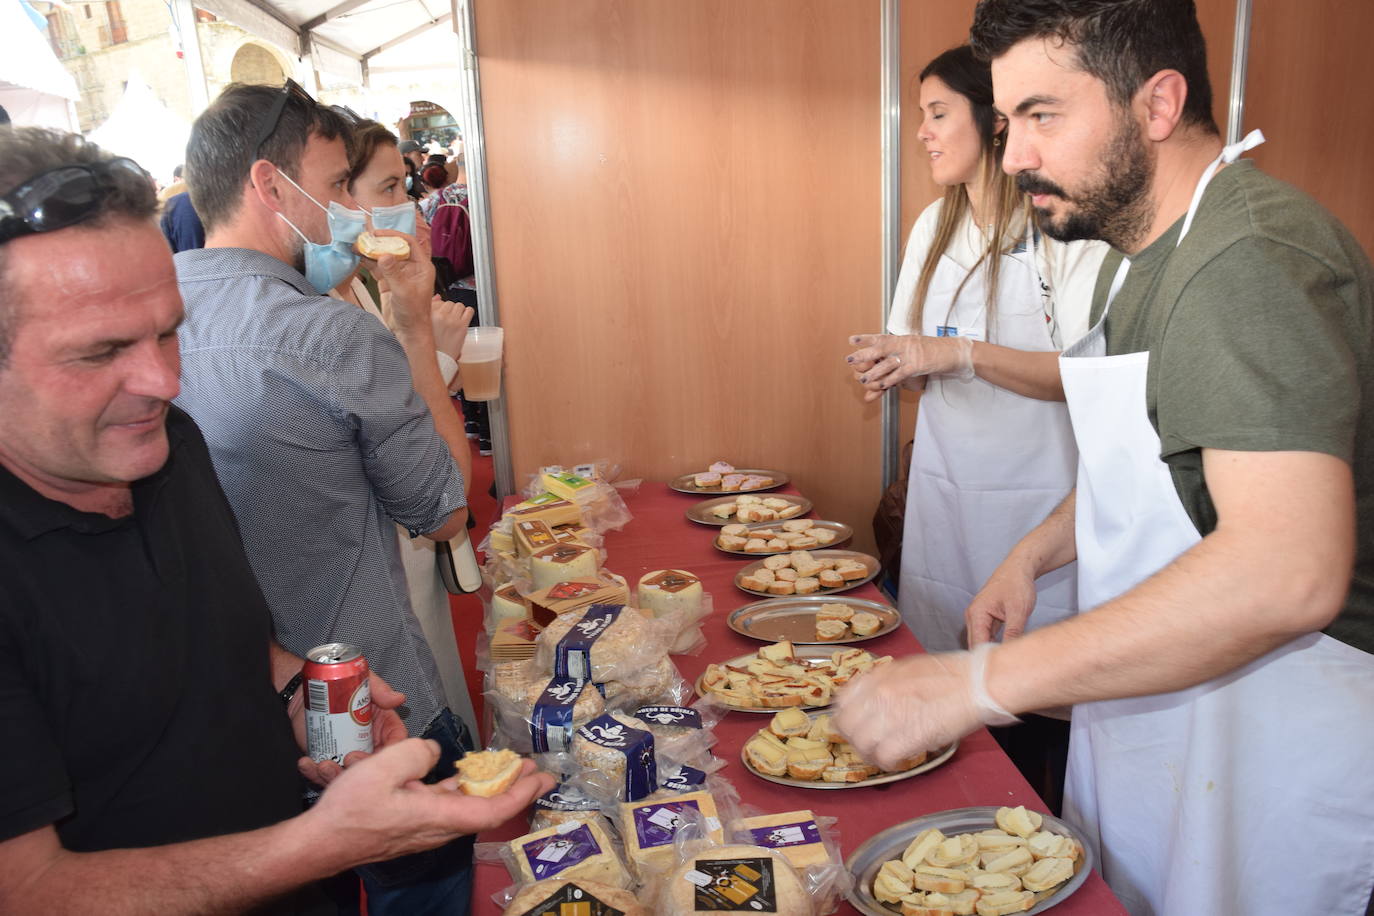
<point>338,702</point>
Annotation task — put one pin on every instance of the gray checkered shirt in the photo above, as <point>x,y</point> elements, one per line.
<point>320,442</point>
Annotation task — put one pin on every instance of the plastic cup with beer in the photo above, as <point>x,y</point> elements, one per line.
<point>480,363</point>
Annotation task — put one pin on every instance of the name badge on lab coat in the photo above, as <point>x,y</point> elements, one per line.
<point>946,330</point>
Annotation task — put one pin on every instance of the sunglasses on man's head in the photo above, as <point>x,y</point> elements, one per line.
<point>59,197</point>
<point>272,117</point>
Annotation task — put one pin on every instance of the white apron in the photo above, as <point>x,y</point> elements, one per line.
<point>988,464</point>
<point>1251,794</point>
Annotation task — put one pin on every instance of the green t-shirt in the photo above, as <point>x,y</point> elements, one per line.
<point>1260,328</point>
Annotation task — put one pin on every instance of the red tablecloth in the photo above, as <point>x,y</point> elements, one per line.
<point>660,537</point>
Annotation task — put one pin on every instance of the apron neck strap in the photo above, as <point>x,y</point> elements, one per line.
<point>1228,155</point>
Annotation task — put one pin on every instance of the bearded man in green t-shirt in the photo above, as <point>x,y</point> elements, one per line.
<point>1222,669</point>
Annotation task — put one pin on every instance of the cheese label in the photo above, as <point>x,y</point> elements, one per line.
<point>641,770</point>
<point>670,580</point>
<point>535,533</point>
<point>510,593</point>
<point>571,480</point>
<point>737,885</point>
<point>572,899</point>
<point>551,722</point>
<point>561,553</point>
<point>799,834</point>
<point>539,503</point>
<point>683,779</point>
<point>656,825</point>
<point>676,716</point>
<point>564,590</point>
<point>549,855</point>
<point>573,655</point>
<point>565,798</point>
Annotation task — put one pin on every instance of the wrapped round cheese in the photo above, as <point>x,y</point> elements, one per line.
<point>658,683</point>
<point>603,642</point>
<point>562,562</point>
<point>617,757</point>
<point>665,591</point>
<point>748,879</point>
<point>537,713</point>
<point>568,851</point>
<point>557,896</point>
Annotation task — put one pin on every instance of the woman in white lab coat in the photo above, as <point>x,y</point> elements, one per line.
<point>984,303</point>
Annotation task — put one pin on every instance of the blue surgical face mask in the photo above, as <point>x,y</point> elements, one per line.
<point>326,266</point>
<point>400,217</point>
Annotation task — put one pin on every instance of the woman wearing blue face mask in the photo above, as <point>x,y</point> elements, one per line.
<point>377,183</point>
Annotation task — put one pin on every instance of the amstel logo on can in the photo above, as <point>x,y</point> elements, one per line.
<point>360,704</point>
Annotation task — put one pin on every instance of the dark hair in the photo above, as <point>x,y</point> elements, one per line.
<point>176,172</point>
<point>367,136</point>
<point>219,155</point>
<point>27,151</point>
<point>1121,42</point>
<point>435,176</point>
<point>971,78</point>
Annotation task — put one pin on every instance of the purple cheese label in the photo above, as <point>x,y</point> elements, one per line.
<point>786,835</point>
<point>549,855</point>
<point>565,798</point>
<point>676,716</point>
<point>683,779</point>
<point>641,770</point>
<point>573,656</point>
<point>551,723</point>
<point>656,825</point>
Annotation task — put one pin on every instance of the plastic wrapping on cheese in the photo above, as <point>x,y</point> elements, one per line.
<point>794,834</point>
<point>572,850</point>
<point>617,758</point>
<point>648,828</point>
<point>508,604</point>
<point>743,879</point>
<point>548,508</point>
<point>532,536</point>
<point>561,562</point>
<point>664,591</point>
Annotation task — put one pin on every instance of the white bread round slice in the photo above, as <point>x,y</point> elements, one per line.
<point>553,895</point>
<point>831,630</point>
<point>374,246</point>
<point>487,773</point>
<point>1047,873</point>
<point>1003,904</point>
<point>865,624</point>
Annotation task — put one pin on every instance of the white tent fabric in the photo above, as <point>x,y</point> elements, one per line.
<point>143,129</point>
<point>34,86</point>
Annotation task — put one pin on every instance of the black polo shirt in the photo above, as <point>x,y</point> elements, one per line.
<point>136,697</point>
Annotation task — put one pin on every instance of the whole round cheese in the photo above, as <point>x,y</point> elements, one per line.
<point>562,562</point>
<point>664,591</point>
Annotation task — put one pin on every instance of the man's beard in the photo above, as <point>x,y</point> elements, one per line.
<point>1118,209</point>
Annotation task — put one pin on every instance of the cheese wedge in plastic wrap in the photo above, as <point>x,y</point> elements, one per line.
<point>508,604</point>
<point>562,562</point>
<point>532,536</point>
<point>571,850</point>
<point>664,591</point>
<point>649,828</point>
<point>794,834</point>
<point>546,507</point>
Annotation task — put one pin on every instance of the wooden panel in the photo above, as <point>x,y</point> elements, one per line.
<point>1307,88</point>
<point>686,228</point>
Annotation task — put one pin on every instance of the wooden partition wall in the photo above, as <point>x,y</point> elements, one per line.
<point>1308,88</point>
<point>686,228</point>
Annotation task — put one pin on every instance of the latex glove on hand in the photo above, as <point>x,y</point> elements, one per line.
<point>884,361</point>
<point>919,703</point>
<point>1005,601</point>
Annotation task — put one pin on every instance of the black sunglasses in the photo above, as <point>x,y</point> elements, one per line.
<point>60,197</point>
<point>268,125</point>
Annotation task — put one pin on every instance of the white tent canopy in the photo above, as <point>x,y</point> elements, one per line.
<point>35,88</point>
<point>143,129</point>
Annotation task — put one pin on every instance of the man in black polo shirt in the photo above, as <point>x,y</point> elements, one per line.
<point>138,677</point>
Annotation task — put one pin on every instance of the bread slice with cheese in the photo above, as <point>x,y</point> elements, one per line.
<point>374,246</point>
<point>488,773</point>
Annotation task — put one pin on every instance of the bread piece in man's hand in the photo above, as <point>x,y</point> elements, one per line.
<point>487,773</point>
<point>374,246</point>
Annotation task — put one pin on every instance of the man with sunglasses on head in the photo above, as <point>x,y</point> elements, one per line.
<point>150,762</point>
<point>325,428</point>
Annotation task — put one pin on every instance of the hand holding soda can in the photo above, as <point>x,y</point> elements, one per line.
<point>338,702</point>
